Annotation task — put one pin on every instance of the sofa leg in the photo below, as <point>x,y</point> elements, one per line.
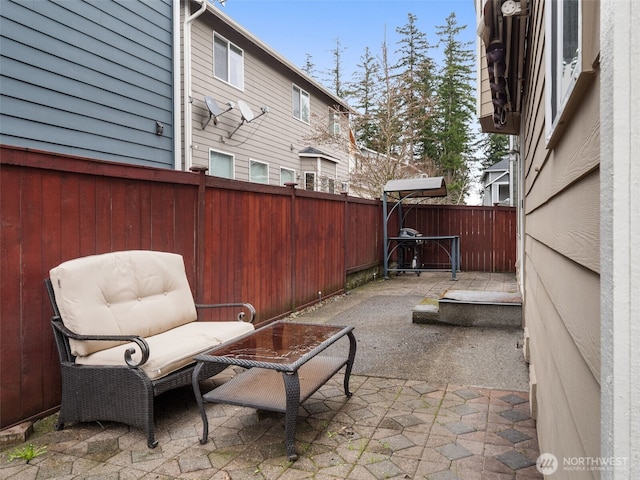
<point>151,431</point>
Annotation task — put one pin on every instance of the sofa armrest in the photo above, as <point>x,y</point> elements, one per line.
<point>56,321</point>
<point>241,315</point>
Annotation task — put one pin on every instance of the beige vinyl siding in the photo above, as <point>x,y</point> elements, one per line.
<point>486,106</point>
<point>275,138</point>
<point>561,264</point>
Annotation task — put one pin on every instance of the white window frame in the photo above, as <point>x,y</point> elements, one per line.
<point>560,82</point>
<point>495,192</point>
<point>300,109</point>
<point>314,184</point>
<point>234,61</point>
<point>232,158</point>
<point>289,170</point>
<point>252,163</point>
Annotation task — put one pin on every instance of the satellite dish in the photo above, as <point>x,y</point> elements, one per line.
<point>245,110</point>
<point>247,115</point>
<point>214,110</point>
<point>212,106</point>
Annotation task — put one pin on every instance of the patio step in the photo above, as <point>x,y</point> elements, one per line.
<point>470,308</point>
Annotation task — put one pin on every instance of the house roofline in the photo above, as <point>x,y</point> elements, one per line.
<point>271,52</point>
<point>317,154</point>
<point>499,177</point>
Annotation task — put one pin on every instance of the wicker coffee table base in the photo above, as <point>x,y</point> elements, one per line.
<point>262,388</point>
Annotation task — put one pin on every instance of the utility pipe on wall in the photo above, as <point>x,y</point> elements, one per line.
<point>188,136</point>
<point>177,134</point>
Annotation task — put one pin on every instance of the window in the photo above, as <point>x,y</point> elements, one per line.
<point>258,171</point>
<point>563,57</point>
<point>287,175</point>
<point>331,185</point>
<point>503,194</point>
<point>334,123</point>
<point>327,184</point>
<point>228,62</point>
<point>220,164</point>
<point>309,180</point>
<point>301,104</point>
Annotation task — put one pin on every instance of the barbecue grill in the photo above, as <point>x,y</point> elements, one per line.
<point>408,251</point>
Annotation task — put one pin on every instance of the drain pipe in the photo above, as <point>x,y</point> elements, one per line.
<point>187,102</point>
<point>177,131</point>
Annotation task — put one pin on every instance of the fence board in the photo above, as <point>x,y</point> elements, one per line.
<point>33,369</point>
<point>276,247</point>
<point>10,305</point>
<point>487,235</point>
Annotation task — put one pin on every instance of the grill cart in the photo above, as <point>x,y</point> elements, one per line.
<point>408,247</point>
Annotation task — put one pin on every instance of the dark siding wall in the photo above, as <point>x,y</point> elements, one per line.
<point>88,78</point>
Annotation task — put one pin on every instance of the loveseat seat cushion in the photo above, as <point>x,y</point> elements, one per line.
<point>173,349</point>
<point>136,292</point>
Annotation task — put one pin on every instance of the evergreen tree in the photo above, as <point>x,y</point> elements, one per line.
<point>494,147</point>
<point>335,72</point>
<point>389,124</point>
<point>455,110</point>
<point>309,67</point>
<point>381,127</point>
<point>363,92</point>
<point>411,112</point>
<point>414,69</point>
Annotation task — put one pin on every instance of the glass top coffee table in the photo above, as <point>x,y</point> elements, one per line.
<point>282,349</point>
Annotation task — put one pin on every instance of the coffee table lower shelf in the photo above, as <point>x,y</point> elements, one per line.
<point>268,389</point>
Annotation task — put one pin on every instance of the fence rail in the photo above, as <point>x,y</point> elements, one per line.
<point>278,247</point>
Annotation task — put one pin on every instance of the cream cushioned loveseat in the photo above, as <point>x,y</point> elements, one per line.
<point>126,329</point>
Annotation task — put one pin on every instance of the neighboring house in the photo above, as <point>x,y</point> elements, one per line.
<point>275,125</point>
<point>563,77</point>
<point>92,79</point>
<point>127,82</point>
<point>496,184</point>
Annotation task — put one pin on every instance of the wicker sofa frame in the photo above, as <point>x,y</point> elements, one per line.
<point>123,394</point>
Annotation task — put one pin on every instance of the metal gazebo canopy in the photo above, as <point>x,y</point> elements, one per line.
<point>401,189</point>
<point>417,187</point>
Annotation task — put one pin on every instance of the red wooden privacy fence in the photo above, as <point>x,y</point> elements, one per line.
<point>278,247</point>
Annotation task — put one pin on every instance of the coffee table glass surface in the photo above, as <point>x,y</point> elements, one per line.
<point>284,346</point>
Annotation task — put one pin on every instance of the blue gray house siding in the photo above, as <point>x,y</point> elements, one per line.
<point>88,78</point>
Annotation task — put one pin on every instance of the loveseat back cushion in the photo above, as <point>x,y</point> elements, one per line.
<point>135,292</point>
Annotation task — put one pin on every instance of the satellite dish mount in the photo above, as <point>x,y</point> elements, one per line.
<point>247,115</point>
<point>214,111</point>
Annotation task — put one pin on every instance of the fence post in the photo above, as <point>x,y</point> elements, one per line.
<point>199,233</point>
<point>494,214</point>
<point>294,245</point>
<point>345,243</point>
